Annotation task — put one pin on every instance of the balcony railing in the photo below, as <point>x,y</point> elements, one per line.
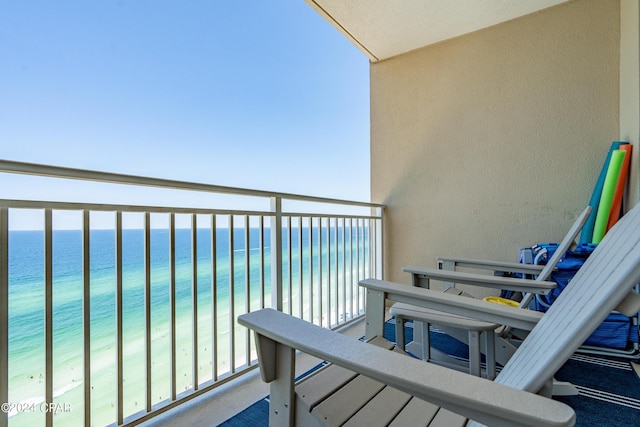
<point>112,313</point>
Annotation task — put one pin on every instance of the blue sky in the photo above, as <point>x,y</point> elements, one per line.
<point>244,93</point>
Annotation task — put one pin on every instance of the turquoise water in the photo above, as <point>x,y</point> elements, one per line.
<point>27,299</point>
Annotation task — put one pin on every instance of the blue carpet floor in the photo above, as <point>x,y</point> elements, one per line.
<point>609,390</point>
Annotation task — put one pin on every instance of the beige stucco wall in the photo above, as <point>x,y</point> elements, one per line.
<point>494,140</point>
<point>630,88</point>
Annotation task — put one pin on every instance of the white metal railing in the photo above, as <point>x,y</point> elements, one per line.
<point>136,319</point>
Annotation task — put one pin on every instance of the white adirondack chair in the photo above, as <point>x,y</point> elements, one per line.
<point>469,330</point>
<point>384,387</point>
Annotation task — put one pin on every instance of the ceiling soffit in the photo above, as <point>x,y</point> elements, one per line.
<point>386,28</point>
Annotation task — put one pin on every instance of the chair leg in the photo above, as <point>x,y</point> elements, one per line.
<point>426,341</point>
<point>474,353</point>
<point>490,356</point>
<point>400,332</point>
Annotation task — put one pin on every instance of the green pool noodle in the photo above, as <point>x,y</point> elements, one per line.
<point>586,235</point>
<point>608,190</point>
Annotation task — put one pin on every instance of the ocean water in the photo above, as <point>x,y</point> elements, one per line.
<point>27,299</point>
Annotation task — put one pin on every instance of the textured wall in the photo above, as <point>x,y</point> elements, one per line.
<point>630,88</point>
<point>494,140</point>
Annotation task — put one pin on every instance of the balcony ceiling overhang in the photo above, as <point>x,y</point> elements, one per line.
<point>386,28</point>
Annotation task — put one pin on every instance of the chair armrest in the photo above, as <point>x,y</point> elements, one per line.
<point>509,267</point>
<point>508,283</point>
<point>454,304</point>
<point>474,397</point>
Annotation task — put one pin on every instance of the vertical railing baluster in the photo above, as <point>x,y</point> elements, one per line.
<point>357,243</point>
<point>289,265</point>
<point>48,312</point>
<point>300,282</point>
<point>362,248</point>
<point>369,247</point>
<point>172,304</point>
<point>194,298</point>
<point>261,250</point>
<point>363,258</point>
<point>119,326</point>
<point>372,251</point>
<point>380,245</point>
<point>352,282</point>
<point>4,312</point>
<point>147,309</point>
<point>214,299</point>
<point>329,284</point>
<point>232,302</point>
<point>358,264</point>
<point>366,232</point>
<point>365,242</point>
<point>311,299</point>
<point>372,247</point>
<point>344,269</point>
<point>320,268</point>
<point>336,254</point>
<point>86,314</point>
<point>247,285</point>
<point>340,268</point>
<point>276,253</point>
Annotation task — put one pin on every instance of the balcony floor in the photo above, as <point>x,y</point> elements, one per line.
<point>606,376</point>
<point>220,404</point>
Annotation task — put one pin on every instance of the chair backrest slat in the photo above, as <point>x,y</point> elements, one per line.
<point>607,276</point>
<point>553,261</point>
<point>564,245</point>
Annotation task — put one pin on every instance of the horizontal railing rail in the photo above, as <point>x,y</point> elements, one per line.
<point>139,316</point>
<point>13,167</point>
